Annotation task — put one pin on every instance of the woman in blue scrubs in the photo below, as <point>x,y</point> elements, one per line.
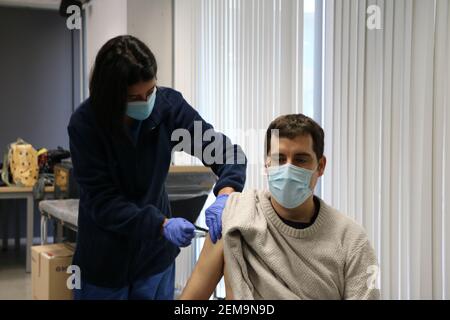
<point>120,140</point>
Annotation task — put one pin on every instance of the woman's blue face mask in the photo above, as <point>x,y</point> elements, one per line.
<point>141,110</point>
<point>290,185</point>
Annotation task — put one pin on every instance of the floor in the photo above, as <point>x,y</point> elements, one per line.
<point>15,283</point>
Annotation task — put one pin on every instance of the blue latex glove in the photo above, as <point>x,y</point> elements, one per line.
<point>179,231</point>
<point>214,217</point>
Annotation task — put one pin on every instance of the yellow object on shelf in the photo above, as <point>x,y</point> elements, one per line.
<point>23,163</point>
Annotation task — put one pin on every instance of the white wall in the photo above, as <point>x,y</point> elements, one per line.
<point>186,47</point>
<point>105,19</point>
<point>151,21</point>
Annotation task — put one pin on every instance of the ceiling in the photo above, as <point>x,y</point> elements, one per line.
<point>38,4</point>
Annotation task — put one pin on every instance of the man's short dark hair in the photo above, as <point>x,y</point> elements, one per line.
<point>294,125</point>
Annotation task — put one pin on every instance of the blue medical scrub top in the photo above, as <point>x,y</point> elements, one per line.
<point>123,201</point>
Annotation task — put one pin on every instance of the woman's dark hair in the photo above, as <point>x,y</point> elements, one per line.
<point>123,61</point>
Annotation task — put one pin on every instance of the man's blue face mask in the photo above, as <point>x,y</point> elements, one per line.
<point>290,185</point>
<point>141,110</point>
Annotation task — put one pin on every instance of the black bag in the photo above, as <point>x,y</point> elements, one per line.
<point>53,157</point>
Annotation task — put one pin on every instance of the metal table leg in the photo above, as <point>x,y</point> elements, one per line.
<point>44,233</point>
<point>30,233</point>
<point>59,232</point>
<point>17,221</point>
<point>5,228</point>
<point>4,222</point>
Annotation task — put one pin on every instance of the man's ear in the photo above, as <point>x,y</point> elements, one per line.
<point>322,165</point>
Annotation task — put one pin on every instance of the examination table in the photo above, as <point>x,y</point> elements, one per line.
<point>187,188</point>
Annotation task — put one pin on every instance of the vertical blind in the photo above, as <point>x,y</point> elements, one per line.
<point>239,63</point>
<point>385,112</point>
<point>386,115</point>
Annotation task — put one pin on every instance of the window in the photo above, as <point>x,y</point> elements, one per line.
<point>242,63</point>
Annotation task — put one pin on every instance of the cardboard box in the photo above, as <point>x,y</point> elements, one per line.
<point>49,275</point>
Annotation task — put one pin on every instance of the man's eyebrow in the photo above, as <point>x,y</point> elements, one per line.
<point>303,154</point>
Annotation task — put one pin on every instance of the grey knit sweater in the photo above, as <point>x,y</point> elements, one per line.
<point>267,259</point>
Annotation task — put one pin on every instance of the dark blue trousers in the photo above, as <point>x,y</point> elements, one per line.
<point>157,287</point>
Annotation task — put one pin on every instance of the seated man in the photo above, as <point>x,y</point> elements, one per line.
<point>287,243</point>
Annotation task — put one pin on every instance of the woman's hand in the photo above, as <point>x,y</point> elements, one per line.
<point>179,231</point>
<point>214,214</point>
